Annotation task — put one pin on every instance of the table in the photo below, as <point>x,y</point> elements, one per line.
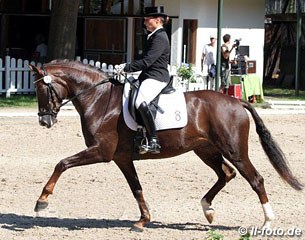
<point>251,86</point>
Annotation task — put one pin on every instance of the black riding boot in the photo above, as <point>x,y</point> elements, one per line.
<point>153,145</point>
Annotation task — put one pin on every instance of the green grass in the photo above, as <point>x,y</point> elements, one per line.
<point>30,101</point>
<point>18,101</point>
<point>214,235</point>
<point>283,94</point>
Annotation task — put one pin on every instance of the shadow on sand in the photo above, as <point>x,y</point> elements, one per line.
<point>16,222</point>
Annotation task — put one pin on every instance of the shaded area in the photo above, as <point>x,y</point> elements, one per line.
<point>17,223</point>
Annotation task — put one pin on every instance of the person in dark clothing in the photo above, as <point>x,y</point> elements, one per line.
<point>225,63</point>
<point>154,75</point>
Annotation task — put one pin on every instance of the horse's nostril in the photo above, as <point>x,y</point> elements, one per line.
<point>45,121</point>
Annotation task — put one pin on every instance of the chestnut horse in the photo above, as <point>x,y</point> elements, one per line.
<point>217,128</point>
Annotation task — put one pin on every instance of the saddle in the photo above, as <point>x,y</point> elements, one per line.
<point>153,105</point>
<point>168,107</point>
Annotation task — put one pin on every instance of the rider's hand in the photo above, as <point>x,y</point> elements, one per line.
<point>119,69</point>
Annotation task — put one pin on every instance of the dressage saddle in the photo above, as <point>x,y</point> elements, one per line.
<point>153,105</point>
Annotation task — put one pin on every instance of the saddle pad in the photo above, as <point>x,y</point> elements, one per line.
<point>173,105</point>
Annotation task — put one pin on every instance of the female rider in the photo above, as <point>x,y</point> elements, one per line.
<point>154,75</point>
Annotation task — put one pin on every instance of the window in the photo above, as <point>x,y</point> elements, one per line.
<point>114,7</point>
<point>282,6</point>
<point>12,6</point>
<point>30,6</point>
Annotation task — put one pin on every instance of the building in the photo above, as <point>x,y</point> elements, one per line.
<point>112,30</point>
<point>281,43</point>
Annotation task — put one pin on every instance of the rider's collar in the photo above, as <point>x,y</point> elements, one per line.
<point>149,35</point>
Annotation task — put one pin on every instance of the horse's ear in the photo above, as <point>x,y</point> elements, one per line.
<point>34,69</point>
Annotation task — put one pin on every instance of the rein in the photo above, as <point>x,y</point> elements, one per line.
<point>85,90</point>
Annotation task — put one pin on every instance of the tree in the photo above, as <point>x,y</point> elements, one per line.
<point>62,35</point>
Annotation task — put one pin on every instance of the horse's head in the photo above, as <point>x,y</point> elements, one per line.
<point>49,100</point>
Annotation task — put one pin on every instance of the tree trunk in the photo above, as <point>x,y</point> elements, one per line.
<point>62,35</point>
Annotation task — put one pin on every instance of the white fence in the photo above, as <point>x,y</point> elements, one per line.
<point>16,77</point>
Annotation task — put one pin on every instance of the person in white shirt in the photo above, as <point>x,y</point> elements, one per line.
<point>41,50</point>
<point>208,59</point>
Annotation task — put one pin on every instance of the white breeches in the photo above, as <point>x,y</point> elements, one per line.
<point>149,89</point>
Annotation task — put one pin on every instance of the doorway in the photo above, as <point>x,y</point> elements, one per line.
<point>105,40</point>
<point>189,40</point>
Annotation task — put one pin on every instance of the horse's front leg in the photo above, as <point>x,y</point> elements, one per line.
<point>88,156</point>
<point>131,176</point>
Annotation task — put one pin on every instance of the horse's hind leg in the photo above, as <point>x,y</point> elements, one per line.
<point>224,172</point>
<point>130,174</point>
<point>247,170</point>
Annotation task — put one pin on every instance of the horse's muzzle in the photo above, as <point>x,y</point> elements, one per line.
<point>47,121</point>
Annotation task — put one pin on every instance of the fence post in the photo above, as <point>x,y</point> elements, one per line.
<point>7,76</point>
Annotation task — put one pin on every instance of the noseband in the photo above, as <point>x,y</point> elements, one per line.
<point>52,93</point>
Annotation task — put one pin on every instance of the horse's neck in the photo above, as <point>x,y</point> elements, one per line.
<point>93,102</point>
<point>99,107</point>
<point>92,97</point>
<point>78,87</point>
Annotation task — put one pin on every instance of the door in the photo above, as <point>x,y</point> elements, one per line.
<point>105,40</point>
<point>189,40</point>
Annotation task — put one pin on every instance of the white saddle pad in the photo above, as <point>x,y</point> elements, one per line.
<point>173,105</point>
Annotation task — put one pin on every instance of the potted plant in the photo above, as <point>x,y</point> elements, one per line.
<point>186,73</point>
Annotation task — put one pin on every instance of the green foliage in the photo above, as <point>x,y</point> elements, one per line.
<point>213,235</point>
<point>245,237</point>
<point>18,101</point>
<point>186,72</point>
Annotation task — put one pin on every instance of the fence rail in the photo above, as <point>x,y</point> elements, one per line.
<point>16,77</point>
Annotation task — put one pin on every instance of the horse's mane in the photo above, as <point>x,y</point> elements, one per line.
<point>81,71</point>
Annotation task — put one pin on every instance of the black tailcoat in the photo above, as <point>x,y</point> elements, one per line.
<point>154,63</point>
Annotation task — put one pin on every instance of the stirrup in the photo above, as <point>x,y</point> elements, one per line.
<point>152,146</point>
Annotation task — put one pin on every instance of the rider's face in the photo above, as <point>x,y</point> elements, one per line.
<point>152,23</point>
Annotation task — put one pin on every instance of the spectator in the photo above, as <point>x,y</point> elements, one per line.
<point>40,53</point>
<point>208,59</point>
<point>225,63</point>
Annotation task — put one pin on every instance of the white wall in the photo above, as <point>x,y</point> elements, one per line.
<point>241,19</point>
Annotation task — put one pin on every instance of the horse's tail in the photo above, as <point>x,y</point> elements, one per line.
<point>272,150</point>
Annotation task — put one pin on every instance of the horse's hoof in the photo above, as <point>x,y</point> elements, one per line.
<point>207,210</point>
<point>40,205</point>
<point>137,228</point>
<point>209,215</point>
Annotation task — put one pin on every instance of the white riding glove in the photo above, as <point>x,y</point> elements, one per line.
<point>119,69</point>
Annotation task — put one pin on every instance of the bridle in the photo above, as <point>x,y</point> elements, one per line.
<point>53,96</point>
